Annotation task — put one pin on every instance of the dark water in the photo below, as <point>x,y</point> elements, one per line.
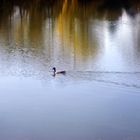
<point>98,98</point>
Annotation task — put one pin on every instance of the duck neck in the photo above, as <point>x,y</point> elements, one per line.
<point>54,71</point>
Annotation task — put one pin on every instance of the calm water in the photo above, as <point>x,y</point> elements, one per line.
<point>98,98</point>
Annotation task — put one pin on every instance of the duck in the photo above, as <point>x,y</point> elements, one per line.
<point>57,72</point>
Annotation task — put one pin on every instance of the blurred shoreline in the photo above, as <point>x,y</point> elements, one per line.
<point>54,7</point>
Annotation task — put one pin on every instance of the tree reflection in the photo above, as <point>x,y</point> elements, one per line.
<point>59,26</point>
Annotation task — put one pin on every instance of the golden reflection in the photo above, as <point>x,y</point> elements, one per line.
<point>75,31</point>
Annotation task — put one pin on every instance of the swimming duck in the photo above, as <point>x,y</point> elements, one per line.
<point>58,72</point>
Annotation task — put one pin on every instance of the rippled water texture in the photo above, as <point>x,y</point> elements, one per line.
<point>98,98</point>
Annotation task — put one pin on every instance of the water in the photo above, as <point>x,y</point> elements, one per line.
<point>98,98</point>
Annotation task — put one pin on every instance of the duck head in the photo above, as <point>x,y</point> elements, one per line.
<point>54,69</point>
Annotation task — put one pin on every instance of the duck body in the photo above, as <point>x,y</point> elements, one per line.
<point>58,72</point>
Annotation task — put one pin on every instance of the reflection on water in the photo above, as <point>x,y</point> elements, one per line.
<point>100,49</point>
<point>70,40</point>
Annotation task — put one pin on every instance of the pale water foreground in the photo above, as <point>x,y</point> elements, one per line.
<point>97,99</point>
<point>65,108</point>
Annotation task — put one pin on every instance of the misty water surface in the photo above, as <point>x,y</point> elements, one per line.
<point>98,98</point>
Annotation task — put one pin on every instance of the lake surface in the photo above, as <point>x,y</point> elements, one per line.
<point>97,99</point>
